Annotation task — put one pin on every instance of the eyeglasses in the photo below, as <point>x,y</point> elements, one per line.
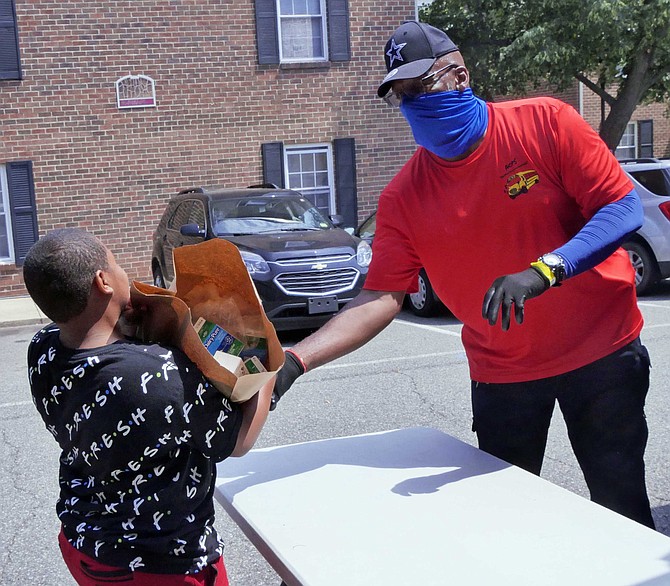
<point>395,99</point>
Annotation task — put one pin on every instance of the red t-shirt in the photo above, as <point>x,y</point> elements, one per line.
<point>539,175</point>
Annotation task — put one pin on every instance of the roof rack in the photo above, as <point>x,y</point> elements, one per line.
<point>643,160</point>
<point>263,186</point>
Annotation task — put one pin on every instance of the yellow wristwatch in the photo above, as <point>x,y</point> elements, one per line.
<point>552,267</point>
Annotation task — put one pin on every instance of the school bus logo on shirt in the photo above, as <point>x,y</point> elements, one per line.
<point>521,182</point>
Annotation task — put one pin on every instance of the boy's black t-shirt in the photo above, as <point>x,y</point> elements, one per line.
<point>140,431</point>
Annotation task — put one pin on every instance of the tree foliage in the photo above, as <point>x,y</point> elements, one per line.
<point>620,49</point>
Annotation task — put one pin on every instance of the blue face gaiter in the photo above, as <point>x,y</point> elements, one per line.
<point>446,123</point>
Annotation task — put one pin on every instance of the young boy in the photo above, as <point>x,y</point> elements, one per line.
<point>140,429</point>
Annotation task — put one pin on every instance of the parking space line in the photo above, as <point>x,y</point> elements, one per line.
<point>17,404</point>
<point>387,360</point>
<point>427,327</point>
<point>644,304</point>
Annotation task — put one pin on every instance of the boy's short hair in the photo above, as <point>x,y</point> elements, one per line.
<point>59,270</point>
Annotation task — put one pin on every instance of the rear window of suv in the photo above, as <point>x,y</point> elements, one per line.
<point>655,180</point>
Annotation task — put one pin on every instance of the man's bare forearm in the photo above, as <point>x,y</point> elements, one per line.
<point>360,321</point>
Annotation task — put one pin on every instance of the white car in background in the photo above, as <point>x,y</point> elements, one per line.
<point>649,247</point>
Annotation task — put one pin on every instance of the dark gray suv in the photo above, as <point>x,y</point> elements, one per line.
<point>304,267</point>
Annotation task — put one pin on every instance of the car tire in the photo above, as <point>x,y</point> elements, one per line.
<point>644,265</point>
<point>159,281</point>
<point>424,302</point>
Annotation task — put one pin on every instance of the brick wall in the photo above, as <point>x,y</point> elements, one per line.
<point>111,171</point>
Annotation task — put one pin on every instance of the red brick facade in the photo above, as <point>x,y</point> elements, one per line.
<point>112,170</point>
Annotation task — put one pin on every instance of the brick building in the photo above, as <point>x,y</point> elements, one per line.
<point>108,109</point>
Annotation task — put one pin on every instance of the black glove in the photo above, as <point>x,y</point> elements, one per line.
<point>292,369</point>
<point>513,290</point>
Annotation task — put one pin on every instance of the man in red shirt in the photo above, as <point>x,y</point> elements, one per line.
<point>501,204</point>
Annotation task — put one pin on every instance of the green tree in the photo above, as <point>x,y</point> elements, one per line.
<point>619,49</point>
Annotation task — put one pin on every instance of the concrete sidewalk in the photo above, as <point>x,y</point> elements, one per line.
<point>20,311</point>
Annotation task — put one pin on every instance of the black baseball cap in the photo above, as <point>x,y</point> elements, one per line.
<point>412,50</point>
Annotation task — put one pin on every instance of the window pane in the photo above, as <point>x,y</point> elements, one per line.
<point>314,6</point>
<point>300,7</point>
<point>317,38</point>
<point>321,161</point>
<point>321,200</point>
<point>286,7</point>
<point>308,162</point>
<point>293,163</point>
<point>4,237</point>
<point>625,152</point>
<point>626,148</point>
<point>294,182</point>
<point>296,38</point>
<point>322,179</point>
<point>302,37</point>
<point>5,218</point>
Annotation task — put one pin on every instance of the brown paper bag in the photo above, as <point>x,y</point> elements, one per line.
<point>211,282</point>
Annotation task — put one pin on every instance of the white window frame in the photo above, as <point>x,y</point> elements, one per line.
<point>631,130</point>
<point>312,149</point>
<point>324,34</point>
<point>4,194</point>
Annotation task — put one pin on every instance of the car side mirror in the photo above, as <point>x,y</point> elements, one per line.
<point>192,230</point>
<point>337,220</point>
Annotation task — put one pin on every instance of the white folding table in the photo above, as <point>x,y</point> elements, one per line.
<point>417,507</point>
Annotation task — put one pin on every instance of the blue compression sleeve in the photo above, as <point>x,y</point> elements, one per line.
<point>602,234</point>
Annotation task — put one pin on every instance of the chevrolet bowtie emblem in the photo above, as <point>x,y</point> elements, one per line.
<point>320,265</point>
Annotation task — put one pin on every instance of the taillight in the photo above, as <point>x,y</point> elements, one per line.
<point>665,209</point>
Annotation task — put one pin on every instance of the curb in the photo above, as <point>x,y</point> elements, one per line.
<point>20,311</point>
<point>28,321</point>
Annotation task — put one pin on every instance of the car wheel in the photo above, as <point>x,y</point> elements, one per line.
<point>424,302</point>
<point>644,265</point>
<point>159,281</point>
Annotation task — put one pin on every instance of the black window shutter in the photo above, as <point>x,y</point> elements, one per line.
<point>267,32</point>
<point>345,180</point>
<point>338,30</point>
<point>10,64</point>
<point>273,163</point>
<point>22,208</point>
<point>645,130</point>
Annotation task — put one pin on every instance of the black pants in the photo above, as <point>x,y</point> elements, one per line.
<point>603,407</point>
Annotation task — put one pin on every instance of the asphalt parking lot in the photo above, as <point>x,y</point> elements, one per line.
<point>413,374</point>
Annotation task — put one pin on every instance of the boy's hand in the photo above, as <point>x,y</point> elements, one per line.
<point>131,319</point>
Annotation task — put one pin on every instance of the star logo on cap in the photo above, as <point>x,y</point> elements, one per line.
<point>394,52</point>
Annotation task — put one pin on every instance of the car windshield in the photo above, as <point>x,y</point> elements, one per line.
<point>256,215</point>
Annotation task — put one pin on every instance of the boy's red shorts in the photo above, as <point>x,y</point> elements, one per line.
<point>90,572</point>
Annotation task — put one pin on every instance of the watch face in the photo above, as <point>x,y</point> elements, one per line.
<point>552,260</point>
